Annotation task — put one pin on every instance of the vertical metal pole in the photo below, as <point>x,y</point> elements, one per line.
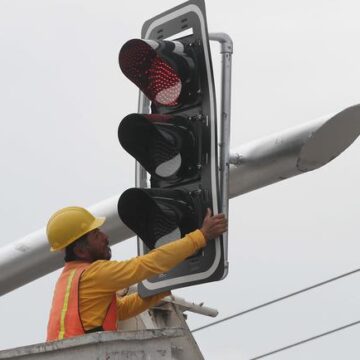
<point>140,172</point>
<point>224,145</point>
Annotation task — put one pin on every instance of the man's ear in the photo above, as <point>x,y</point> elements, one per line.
<point>81,252</point>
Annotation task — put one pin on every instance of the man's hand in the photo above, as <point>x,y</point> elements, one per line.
<point>213,226</point>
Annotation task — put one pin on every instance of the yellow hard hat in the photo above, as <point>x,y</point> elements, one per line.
<point>69,224</point>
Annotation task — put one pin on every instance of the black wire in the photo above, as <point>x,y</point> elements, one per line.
<point>276,300</point>
<point>306,340</point>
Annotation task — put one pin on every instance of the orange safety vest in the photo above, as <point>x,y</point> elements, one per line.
<point>64,321</point>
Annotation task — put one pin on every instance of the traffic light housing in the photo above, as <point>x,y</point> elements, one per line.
<point>174,141</point>
<point>159,216</point>
<point>169,69</point>
<point>168,147</point>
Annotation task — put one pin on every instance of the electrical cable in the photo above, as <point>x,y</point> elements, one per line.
<point>277,300</point>
<point>306,340</point>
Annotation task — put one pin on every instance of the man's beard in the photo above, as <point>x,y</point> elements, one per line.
<point>106,255</point>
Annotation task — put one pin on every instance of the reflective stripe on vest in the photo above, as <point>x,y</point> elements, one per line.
<point>65,305</point>
<point>64,321</point>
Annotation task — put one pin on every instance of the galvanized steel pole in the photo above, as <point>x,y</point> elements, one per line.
<point>226,49</point>
<point>254,165</point>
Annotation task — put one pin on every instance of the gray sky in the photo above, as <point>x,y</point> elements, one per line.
<point>63,96</point>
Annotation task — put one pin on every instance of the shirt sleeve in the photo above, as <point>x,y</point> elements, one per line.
<point>132,305</point>
<point>114,275</point>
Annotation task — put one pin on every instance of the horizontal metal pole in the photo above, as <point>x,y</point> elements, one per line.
<point>224,40</point>
<point>292,152</point>
<point>190,306</point>
<point>30,258</point>
<point>254,165</point>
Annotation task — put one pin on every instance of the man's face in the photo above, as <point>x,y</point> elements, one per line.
<point>98,246</point>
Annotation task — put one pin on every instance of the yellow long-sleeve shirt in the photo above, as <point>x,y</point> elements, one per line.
<point>103,278</point>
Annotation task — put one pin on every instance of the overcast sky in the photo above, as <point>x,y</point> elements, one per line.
<point>63,96</point>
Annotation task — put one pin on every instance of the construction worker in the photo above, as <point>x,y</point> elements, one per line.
<point>85,294</point>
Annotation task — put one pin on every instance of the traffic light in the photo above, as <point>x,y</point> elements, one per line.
<point>173,139</point>
<point>168,147</point>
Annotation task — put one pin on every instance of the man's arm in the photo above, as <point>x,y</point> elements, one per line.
<point>132,305</point>
<point>114,275</point>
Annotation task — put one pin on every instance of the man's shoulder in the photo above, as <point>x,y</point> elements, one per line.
<point>102,265</point>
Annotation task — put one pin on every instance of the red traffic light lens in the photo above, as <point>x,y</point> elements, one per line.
<point>155,77</point>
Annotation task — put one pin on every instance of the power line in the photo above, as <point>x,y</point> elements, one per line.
<point>277,300</point>
<point>306,340</point>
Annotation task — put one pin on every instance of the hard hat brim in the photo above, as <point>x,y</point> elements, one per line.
<point>99,221</point>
